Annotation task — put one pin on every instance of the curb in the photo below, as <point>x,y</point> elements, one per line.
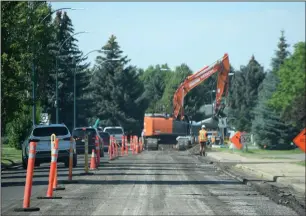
<point>11,166</point>
<point>257,172</point>
<point>274,178</point>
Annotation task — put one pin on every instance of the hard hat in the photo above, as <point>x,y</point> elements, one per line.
<point>203,126</point>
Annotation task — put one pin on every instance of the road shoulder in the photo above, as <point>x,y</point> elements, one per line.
<point>278,192</point>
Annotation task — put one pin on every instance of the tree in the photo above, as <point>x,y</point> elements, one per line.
<point>267,126</point>
<point>290,93</point>
<point>281,54</point>
<point>24,33</point>
<point>244,94</point>
<point>116,89</point>
<point>69,61</point>
<point>154,80</point>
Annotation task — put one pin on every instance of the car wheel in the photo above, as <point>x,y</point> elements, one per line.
<point>75,160</point>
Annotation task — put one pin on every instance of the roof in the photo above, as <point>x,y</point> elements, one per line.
<point>50,125</point>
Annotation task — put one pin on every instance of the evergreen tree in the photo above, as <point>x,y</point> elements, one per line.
<point>69,61</point>
<point>116,89</point>
<point>244,94</point>
<point>281,53</point>
<point>267,126</point>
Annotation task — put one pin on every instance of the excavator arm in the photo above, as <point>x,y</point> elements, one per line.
<point>222,66</point>
<point>222,88</point>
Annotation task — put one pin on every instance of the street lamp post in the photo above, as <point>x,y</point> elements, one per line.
<point>56,76</point>
<point>74,86</point>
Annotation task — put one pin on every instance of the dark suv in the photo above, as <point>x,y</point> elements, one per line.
<point>79,136</point>
<point>105,136</point>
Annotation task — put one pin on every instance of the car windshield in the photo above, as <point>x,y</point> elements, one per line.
<point>114,130</point>
<point>104,134</point>
<point>48,131</point>
<point>81,132</point>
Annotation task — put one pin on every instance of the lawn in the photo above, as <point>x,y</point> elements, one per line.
<point>9,154</point>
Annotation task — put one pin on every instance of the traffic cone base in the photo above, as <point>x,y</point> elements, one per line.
<point>49,197</point>
<point>30,209</point>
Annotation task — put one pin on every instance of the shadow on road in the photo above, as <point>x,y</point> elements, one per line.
<point>122,182</point>
<point>96,174</point>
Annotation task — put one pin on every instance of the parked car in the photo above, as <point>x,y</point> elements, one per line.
<point>105,137</point>
<point>42,135</point>
<point>79,136</point>
<point>117,132</point>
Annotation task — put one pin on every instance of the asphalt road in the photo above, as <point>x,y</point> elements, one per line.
<point>151,183</point>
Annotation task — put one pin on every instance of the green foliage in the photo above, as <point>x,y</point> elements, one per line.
<point>267,126</point>
<point>289,97</point>
<point>116,89</point>
<point>244,94</point>
<point>20,127</point>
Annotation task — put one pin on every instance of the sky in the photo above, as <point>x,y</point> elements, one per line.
<point>194,33</point>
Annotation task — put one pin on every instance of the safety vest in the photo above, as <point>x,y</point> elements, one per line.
<point>202,136</point>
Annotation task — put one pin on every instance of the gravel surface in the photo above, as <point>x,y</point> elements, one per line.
<point>164,182</point>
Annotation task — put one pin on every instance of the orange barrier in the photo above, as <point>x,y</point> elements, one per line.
<point>29,180</point>
<point>93,164</point>
<point>52,173</point>
<point>110,149</point>
<point>126,145</point>
<point>116,148</point>
<point>97,144</point>
<point>137,145</point>
<point>122,146</point>
<point>55,187</point>
<point>131,143</point>
<point>70,181</point>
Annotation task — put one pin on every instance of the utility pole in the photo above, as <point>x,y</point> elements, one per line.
<point>74,93</point>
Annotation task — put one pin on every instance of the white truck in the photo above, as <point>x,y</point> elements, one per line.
<point>115,131</point>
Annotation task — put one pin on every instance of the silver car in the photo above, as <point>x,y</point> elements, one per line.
<point>42,135</point>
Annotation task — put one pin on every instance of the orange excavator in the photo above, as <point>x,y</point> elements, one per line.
<point>161,128</point>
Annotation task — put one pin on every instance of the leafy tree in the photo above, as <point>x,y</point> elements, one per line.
<point>20,54</point>
<point>290,93</point>
<point>154,80</point>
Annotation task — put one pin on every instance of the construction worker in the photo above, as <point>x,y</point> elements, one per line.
<point>203,140</point>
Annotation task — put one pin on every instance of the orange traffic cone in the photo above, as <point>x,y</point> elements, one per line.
<point>93,164</point>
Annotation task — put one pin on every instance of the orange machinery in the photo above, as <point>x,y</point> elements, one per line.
<point>164,128</point>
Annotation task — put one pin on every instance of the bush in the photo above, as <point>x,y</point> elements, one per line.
<point>17,130</point>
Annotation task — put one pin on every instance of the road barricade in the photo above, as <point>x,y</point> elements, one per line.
<point>29,181</point>
<point>53,166</point>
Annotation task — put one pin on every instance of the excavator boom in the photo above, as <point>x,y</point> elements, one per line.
<point>222,66</point>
